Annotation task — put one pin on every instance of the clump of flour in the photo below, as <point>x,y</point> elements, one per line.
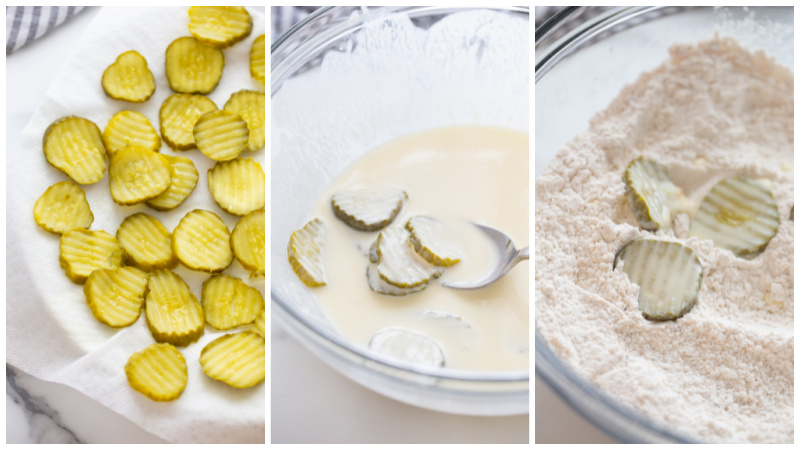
<point>725,371</point>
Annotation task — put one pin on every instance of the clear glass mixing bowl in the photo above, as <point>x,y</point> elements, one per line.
<point>616,47</point>
<point>347,79</point>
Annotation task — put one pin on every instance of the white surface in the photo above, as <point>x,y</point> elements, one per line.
<point>558,423</point>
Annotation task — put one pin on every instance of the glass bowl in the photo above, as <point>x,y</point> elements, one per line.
<point>348,79</point>
<point>618,45</point>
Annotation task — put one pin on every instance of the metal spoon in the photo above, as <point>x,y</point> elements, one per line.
<point>509,257</point>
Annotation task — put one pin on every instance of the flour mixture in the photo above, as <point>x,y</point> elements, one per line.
<point>723,372</point>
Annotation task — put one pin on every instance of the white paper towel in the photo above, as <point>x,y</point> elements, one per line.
<point>50,331</point>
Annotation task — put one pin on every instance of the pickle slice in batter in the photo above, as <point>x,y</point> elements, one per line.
<point>137,174</point>
<point>201,241</point>
<point>147,243</point>
<point>250,106</point>
<point>193,67</point>
<point>74,146</point>
<point>130,128</point>
<point>399,264</point>
<point>219,26</point>
<point>238,186</point>
<point>738,214</point>
<point>228,302</point>
<point>408,345</point>
<point>173,314</point>
<point>157,372</point>
<point>236,359</point>
<point>221,135</point>
<point>377,284</point>
<point>63,207</point>
<point>177,116</point>
<point>116,296</point>
<point>248,242</point>
<point>368,209</point>
<point>183,180</point>
<point>652,197</point>
<point>668,274</point>
<point>83,251</point>
<point>306,251</point>
<point>257,61</point>
<point>129,79</point>
<point>429,238</point>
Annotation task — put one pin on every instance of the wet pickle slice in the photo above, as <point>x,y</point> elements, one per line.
<point>399,264</point>
<point>652,197</point>
<point>306,252</point>
<point>201,241</point>
<point>228,302</point>
<point>83,251</point>
<point>221,135</point>
<point>219,26</point>
<point>147,243</point>
<point>258,324</point>
<point>237,186</point>
<point>668,274</point>
<point>250,106</point>
<point>177,116</point>
<point>408,345</point>
<point>63,207</point>
<point>74,146</point>
<point>173,314</point>
<point>236,359</point>
<point>129,79</point>
<point>377,284</point>
<point>130,128</point>
<point>368,209</point>
<point>183,180</point>
<point>193,67</point>
<point>248,242</point>
<point>158,372</point>
<point>137,174</point>
<point>116,296</point>
<point>257,61</point>
<point>429,238</point>
<point>738,214</point>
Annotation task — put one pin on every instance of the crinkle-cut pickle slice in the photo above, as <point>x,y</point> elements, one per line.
<point>137,174</point>
<point>63,207</point>
<point>177,116</point>
<point>430,240</point>
<point>377,284</point>
<point>306,251</point>
<point>74,146</point>
<point>668,274</point>
<point>408,345</point>
<point>368,209</point>
<point>652,197</point>
<point>193,67</point>
<point>221,135</point>
<point>250,106</point>
<point>128,78</point>
<point>130,128</point>
<point>116,296</point>
<point>228,302</point>
<point>258,324</point>
<point>201,241</point>
<point>257,61</point>
<point>219,26</point>
<point>238,186</point>
<point>173,313</point>
<point>158,372</point>
<point>738,214</point>
<point>183,180</point>
<point>399,264</point>
<point>248,242</point>
<point>147,243</point>
<point>236,359</point>
<point>83,251</point>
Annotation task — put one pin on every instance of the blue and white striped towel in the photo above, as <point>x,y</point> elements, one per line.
<point>26,23</point>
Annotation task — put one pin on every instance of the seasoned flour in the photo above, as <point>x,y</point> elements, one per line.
<point>725,371</point>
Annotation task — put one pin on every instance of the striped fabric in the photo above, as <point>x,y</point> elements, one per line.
<point>26,23</point>
<point>284,17</point>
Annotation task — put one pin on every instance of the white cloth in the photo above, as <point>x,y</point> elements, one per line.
<point>50,331</point>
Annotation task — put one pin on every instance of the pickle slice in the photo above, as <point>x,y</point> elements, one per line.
<point>219,26</point>
<point>193,67</point>
<point>116,296</point>
<point>178,114</point>
<point>236,359</point>
<point>652,197</point>
<point>377,284</point>
<point>237,186</point>
<point>83,251</point>
<point>258,324</point>
<point>306,252</point>
<point>130,128</point>
<point>221,135</point>
<point>158,372</point>
<point>74,146</point>
<point>250,106</point>
<point>368,209</point>
<point>147,243</point>
<point>129,79</point>
<point>429,238</point>
<point>257,61</point>
<point>63,207</point>
<point>173,314</point>
<point>136,174</point>
<point>399,264</point>
<point>183,179</point>
<point>228,302</point>
<point>408,345</point>
<point>738,214</point>
<point>201,241</point>
<point>248,242</point>
<point>668,274</point>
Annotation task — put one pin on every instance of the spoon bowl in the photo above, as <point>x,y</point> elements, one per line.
<point>509,257</point>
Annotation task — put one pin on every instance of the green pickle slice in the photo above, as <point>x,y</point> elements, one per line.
<point>398,263</point>
<point>306,253</point>
<point>429,238</point>
<point>368,209</point>
<point>652,197</point>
